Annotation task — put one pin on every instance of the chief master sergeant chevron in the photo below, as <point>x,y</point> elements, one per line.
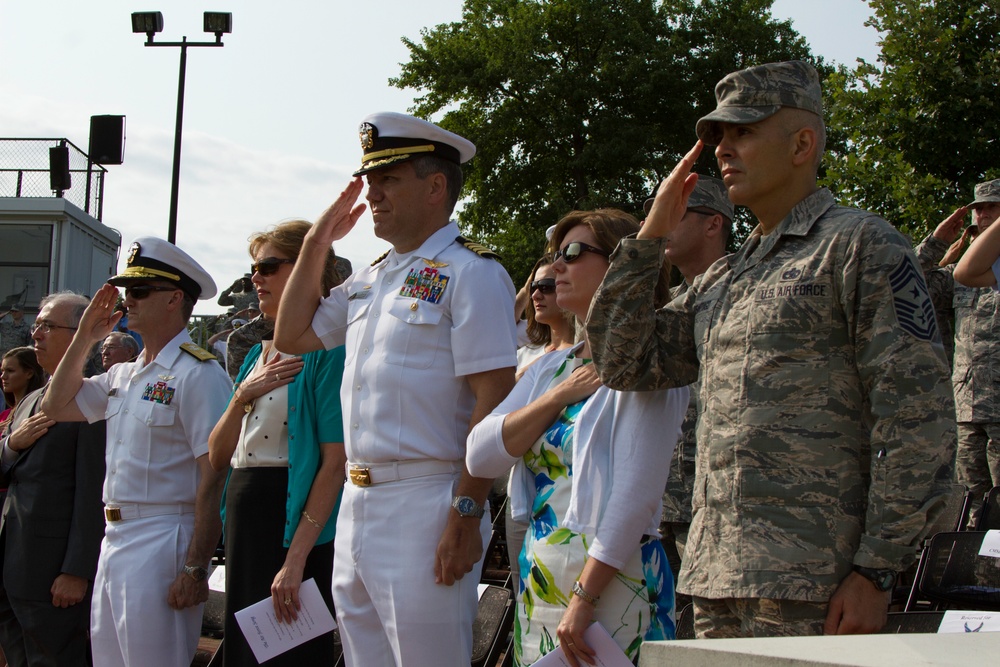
<point>428,356</point>
<point>827,432</point>
<point>161,495</point>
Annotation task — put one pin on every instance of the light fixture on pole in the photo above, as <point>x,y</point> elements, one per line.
<point>219,23</point>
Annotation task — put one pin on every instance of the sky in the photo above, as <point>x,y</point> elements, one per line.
<point>270,119</point>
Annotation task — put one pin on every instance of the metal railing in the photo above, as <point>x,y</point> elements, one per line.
<point>24,172</point>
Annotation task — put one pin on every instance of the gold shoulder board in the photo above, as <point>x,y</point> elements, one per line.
<point>478,248</point>
<point>198,353</point>
<point>380,258</point>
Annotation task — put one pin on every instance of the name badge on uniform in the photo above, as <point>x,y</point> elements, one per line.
<point>361,294</point>
<point>427,285</point>
<point>158,393</point>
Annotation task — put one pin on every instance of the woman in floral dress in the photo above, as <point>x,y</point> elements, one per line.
<point>590,465</point>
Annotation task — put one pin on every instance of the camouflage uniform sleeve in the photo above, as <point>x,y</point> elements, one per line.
<point>930,251</point>
<point>904,376</point>
<point>636,347</point>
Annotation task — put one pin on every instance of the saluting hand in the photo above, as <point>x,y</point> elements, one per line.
<point>340,218</point>
<point>951,226</point>
<point>671,199</point>
<point>100,317</point>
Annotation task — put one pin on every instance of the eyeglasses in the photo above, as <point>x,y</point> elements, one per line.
<point>572,252</point>
<point>268,266</point>
<point>46,327</point>
<point>545,286</point>
<point>140,292</point>
<point>109,348</point>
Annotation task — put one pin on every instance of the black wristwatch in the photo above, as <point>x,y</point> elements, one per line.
<point>884,580</point>
<point>466,506</point>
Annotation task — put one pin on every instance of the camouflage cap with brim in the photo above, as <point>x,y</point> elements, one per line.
<point>987,193</point>
<point>708,193</point>
<point>754,94</point>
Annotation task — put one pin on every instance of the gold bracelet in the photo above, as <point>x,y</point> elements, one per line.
<point>247,405</point>
<point>305,515</point>
<point>584,595</point>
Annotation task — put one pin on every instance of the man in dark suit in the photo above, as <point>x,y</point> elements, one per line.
<point>53,519</point>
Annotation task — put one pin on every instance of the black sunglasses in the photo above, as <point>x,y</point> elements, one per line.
<point>140,292</point>
<point>268,266</point>
<point>544,285</point>
<point>572,251</point>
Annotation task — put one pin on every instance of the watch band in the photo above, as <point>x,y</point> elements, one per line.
<point>467,507</point>
<point>884,580</point>
<point>195,572</point>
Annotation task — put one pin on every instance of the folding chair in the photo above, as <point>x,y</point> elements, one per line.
<point>685,623</point>
<point>989,514</point>
<point>903,622</point>
<point>952,518</point>
<point>957,577</point>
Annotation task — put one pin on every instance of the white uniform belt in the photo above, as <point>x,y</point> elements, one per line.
<point>367,474</point>
<point>126,511</point>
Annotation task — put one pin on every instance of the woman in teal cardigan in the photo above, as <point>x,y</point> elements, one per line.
<point>282,437</point>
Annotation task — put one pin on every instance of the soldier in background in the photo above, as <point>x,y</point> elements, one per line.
<point>974,312</point>
<point>696,243</point>
<point>824,443</point>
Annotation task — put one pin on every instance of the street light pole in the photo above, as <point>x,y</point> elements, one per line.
<point>152,23</point>
<point>175,179</point>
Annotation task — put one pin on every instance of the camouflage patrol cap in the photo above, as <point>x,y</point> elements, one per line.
<point>987,192</point>
<point>708,193</point>
<point>751,95</point>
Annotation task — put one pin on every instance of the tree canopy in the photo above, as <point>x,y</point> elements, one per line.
<point>579,104</point>
<point>914,132</point>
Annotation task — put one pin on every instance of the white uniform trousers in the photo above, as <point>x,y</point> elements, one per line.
<point>131,622</point>
<point>389,609</point>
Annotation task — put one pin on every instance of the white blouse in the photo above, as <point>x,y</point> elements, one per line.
<point>264,435</point>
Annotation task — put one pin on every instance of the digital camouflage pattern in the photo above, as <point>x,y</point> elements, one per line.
<point>753,94</point>
<point>680,481</point>
<point>244,338</point>
<point>14,334</point>
<point>986,192</point>
<point>973,313</point>
<point>941,285</point>
<point>824,439</point>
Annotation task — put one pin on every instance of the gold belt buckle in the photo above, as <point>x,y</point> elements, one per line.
<point>113,513</point>
<point>361,476</point>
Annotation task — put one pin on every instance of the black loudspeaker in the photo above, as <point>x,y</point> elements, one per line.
<point>59,178</point>
<point>107,139</point>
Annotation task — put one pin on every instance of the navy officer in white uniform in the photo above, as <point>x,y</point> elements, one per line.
<point>161,495</point>
<point>430,352</point>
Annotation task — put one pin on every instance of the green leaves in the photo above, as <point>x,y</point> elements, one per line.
<point>917,130</point>
<point>579,104</point>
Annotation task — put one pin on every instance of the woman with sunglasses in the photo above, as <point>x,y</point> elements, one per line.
<point>589,468</point>
<point>282,436</point>
<point>549,326</point>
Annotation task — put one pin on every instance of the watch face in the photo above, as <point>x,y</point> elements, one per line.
<point>466,506</point>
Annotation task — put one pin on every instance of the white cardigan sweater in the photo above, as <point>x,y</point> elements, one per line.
<point>623,446</point>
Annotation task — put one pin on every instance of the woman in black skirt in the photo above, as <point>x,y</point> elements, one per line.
<point>282,437</point>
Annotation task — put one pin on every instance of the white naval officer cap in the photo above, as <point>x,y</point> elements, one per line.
<point>389,138</point>
<point>150,258</point>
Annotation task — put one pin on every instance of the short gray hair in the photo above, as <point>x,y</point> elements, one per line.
<point>76,303</point>
<point>126,341</point>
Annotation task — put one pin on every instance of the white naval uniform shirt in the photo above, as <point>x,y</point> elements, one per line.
<point>159,419</point>
<point>408,347</point>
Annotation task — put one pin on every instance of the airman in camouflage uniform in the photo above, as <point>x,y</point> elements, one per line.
<point>698,241</point>
<point>975,312</point>
<point>824,444</point>
<point>242,339</point>
<point>14,329</point>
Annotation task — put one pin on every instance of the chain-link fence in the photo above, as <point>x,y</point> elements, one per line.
<point>24,172</point>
